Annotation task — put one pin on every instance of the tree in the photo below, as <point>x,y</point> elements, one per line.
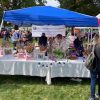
<point>90,7</point>
<point>17,4</point>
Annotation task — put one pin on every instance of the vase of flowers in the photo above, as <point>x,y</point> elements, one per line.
<point>58,53</point>
<point>29,50</point>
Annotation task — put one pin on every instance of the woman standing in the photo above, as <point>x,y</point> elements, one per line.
<point>95,73</point>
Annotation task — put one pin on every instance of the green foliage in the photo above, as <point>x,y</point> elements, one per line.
<point>33,88</point>
<point>83,6</point>
<point>17,4</point>
<point>58,53</point>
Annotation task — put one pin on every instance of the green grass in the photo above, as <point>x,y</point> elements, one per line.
<point>35,88</point>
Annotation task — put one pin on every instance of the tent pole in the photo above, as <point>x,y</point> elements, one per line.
<point>72,30</point>
<point>99,30</point>
<point>1,25</point>
<point>91,33</point>
<point>88,40</point>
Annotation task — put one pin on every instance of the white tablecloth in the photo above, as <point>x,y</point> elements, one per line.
<point>11,66</point>
<point>70,68</point>
<point>43,68</point>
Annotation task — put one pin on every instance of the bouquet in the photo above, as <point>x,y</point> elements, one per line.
<point>7,51</point>
<point>58,53</point>
<point>29,48</point>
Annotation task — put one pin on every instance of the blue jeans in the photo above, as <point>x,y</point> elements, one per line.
<point>95,76</point>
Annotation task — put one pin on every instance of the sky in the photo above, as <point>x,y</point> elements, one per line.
<point>53,3</point>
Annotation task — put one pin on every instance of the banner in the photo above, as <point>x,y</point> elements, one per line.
<point>49,30</point>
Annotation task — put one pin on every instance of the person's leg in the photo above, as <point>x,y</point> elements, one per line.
<point>4,39</point>
<point>93,83</point>
<point>14,45</point>
<point>7,38</point>
<point>99,85</point>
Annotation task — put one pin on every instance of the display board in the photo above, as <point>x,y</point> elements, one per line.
<point>49,30</point>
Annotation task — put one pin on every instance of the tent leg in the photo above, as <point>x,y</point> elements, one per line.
<point>88,41</point>
<point>99,30</point>
<point>91,33</point>
<point>1,25</point>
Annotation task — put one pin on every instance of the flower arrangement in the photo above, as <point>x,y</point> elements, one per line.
<point>6,44</point>
<point>7,51</point>
<point>72,54</point>
<point>20,49</point>
<point>58,53</point>
<point>29,48</point>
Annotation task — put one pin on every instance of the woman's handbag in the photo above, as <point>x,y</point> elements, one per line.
<point>89,63</point>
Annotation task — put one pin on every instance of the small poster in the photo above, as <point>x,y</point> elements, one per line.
<point>49,30</point>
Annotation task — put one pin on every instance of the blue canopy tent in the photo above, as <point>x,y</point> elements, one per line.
<point>47,15</point>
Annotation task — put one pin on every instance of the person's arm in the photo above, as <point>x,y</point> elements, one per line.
<point>46,41</point>
<point>75,44</point>
<point>97,51</point>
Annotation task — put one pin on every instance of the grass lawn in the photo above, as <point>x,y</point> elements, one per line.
<point>35,88</point>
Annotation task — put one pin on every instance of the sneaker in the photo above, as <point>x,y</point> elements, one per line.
<point>97,96</point>
<point>91,99</point>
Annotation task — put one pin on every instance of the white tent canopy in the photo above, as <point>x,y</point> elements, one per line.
<point>98,16</point>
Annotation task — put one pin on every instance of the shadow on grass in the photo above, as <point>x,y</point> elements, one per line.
<point>63,81</point>
<point>19,79</point>
<point>10,83</point>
